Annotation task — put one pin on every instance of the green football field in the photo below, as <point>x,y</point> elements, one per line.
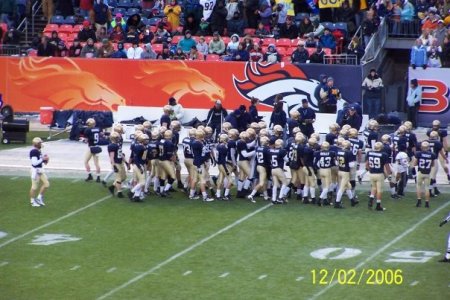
<point>86,244</point>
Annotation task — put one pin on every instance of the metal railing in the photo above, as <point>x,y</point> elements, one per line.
<point>376,43</point>
<point>340,59</point>
<point>34,11</point>
<point>11,50</point>
<point>403,28</point>
<point>23,28</point>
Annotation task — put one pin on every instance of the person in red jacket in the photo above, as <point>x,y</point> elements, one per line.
<point>85,7</point>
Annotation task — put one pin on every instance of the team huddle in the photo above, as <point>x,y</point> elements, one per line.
<point>256,162</point>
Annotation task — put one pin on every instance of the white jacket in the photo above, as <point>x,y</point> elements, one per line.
<point>178,112</point>
<point>134,53</point>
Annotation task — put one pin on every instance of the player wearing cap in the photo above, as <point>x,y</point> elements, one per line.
<point>216,117</point>
<point>307,118</point>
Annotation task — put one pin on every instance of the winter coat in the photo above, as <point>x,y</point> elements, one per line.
<point>418,55</point>
<point>173,16</point>
<point>373,86</point>
<point>216,47</point>
<point>299,56</point>
<point>327,41</point>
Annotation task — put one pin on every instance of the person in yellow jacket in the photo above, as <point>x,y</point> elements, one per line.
<point>173,11</point>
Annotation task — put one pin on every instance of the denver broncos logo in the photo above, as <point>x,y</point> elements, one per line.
<point>62,84</point>
<point>178,80</point>
<point>266,81</point>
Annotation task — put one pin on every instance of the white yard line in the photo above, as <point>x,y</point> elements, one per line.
<point>383,248</point>
<point>76,180</point>
<point>54,221</point>
<point>300,278</point>
<point>181,253</point>
<point>38,266</point>
<point>224,275</point>
<point>14,178</point>
<point>414,283</point>
<point>111,270</point>
<point>4,263</point>
<point>187,273</point>
<point>75,268</point>
<point>262,276</point>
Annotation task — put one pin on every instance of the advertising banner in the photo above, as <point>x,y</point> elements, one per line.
<point>330,3</point>
<point>435,85</point>
<point>29,83</point>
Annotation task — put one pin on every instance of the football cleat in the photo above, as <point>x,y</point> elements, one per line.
<point>266,198</point>
<point>299,197</point>
<point>394,196</point>
<point>111,189</point>
<point>195,197</point>
<point>353,202</point>
<point>380,208</point>
<point>419,203</point>
<point>325,202</point>
<point>226,198</point>
<point>98,179</point>
<point>338,205</point>
<point>104,183</point>
<point>445,260</point>
<point>370,203</point>
<point>130,195</point>
<point>313,200</point>
<point>207,199</point>
<point>180,185</point>
<point>436,191</point>
<point>252,200</point>
<point>305,200</point>
<point>427,204</point>
<point>40,201</point>
<point>34,204</point>
<point>89,178</point>
<point>319,202</point>
<point>119,195</point>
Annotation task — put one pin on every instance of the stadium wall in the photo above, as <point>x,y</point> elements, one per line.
<point>29,83</point>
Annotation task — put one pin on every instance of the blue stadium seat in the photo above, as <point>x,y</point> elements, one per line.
<point>136,3</point>
<point>125,3</point>
<point>57,20</point>
<point>154,21</point>
<point>328,25</point>
<point>301,16</point>
<point>132,11</point>
<point>147,12</point>
<point>70,20</point>
<point>118,10</point>
<point>341,26</point>
<point>112,3</point>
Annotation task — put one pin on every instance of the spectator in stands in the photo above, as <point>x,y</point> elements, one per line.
<point>345,14</point>
<point>265,14</point>
<point>100,15</point>
<point>253,110</point>
<point>368,27</point>
<point>191,25</point>
<point>148,52</point>
<point>216,45</point>
<point>280,14</point>
<point>12,37</point>
<point>135,21</point>
<point>385,8</point>
<point>147,36</point>
<point>132,36</point>
<point>86,32</point>
<point>256,54</point>
<point>407,13</point>
<point>300,55</point>
<point>194,54</point>
<point>173,11</point>
<point>426,37</point>
<point>161,35</point>
<point>233,44</point>
<point>187,42</point>
<point>327,40</point>
<point>179,54</point>
<point>248,41</point>
<point>355,47</point>
<point>165,54</point>
<point>61,50</point>
<point>418,55</point>
<point>236,25</point>
<point>322,83</point>
<point>117,35</point>
<point>54,39</point>
<point>85,7</point>
<point>251,9</point>
<point>118,20</point>
<point>272,56</point>
<point>440,33</point>
<point>66,8</point>
<point>317,57</point>
<point>48,8</point>
<point>216,117</point>
<point>202,46</point>
<point>329,96</point>
<point>75,49</point>
<point>102,34</point>
<point>261,31</point>
<point>413,100</point>
<point>310,42</point>
<point>289,29</point>
<point>120,53</point>
<point>134,52</point>
<point>89,50</point>
<point>373,86</point>
<point>1,35</point>
<point>276,32</point>
<point>232,6</point>
<point>430,22</point>
<point>106,49</point>
<point>218,20</point>
<point>45,48</point>
<point>317,29</point>
<point>305,27</point>
<point>434,53</point>
<point>446,52</point>
<point>422,8</point>
<point>147,4</point>
<point>241,54</point>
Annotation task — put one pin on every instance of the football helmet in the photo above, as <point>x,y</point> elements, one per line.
<point>436,124</point>
<point>408,125</point>
<point>192,132</point>
<point>353,133</point>
<point>251,133</point>
<point>114,137</point>
<point>299,138</point>
<point>263,132</point>
<point>378,146</point>
<point>142,138</point>
<point>346,144</point>
<point>264,141</point>
<point>233,134</point>
<point>434,135</point>
<point>295,114</point>
<point>168,135</point>
<point>312,142</point>
<point>223,138</point>
<point>277,129</point>
<point>155,134</point>
<point>244,136</point>
<point>386,139</point>
<point>199,134</point>
<point>325,146</point>
<point>175,125</point>
<point>373,125</point>
<point>401,130</point>
<point>262,125</point>
<point>278,143</point>
<point>295,130</point>
<point>37,142</point>
<point>118,128</point>
<point>90,122</point>
<point>167,109</point>
<point>425,146</point>
<point>139,127</point>
<point>147,124</point>
<point>226,127</point>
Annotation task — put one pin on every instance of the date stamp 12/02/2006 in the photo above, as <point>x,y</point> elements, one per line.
<point>357,277</point>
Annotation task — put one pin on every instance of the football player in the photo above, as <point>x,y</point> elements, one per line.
<point>356,148</point>
<point>165,118</point>
<point>324,160</point>
<point>243,161</point>
<point>332,136</point>
<point>447,254</point>
<point>436,126</point>
<point>139,166</point>
<point>226,128</point>
<point>438,150</point>
<point>293,122</point>
<point>295,154</point>
<point>402,167</point>
<point>119,129</point>
<point>166,163</point>
<point>278,157</point>
<point>38,176</point>
<point>370,138</point>
<point>92,137</point>
<point>424,160</point>
<point>262,166</point>
<point>210,159</point>
<point>344,157</point>
<point>188,156</point>
<point>233,136</point>
<point>175,126</point>
<point>224,170</point>
<point>377,162</point>
<point>308,170</point>
<point>198,151</point>
<point>117,163</point>
<point>412,143</point>
<point>277,133</point>
<point>153,162</point>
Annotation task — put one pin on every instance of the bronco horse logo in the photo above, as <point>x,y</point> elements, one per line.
<point>266,81</point>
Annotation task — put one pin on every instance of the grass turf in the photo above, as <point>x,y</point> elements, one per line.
<point>30,135</point>
<point>120,240</point>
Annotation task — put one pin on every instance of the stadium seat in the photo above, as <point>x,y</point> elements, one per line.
<point>268,41</point>
<point>327,51</point>
<point>77,28</point>
<point>132,11</point>
<point>249,31</point>
<point>256,40</point>
<point>63,36</point>
<point>154,21</point>
<point>146,12</point>
<point>310,51</point>
<point>286,58</point>
<point>328,25</point>
<point>70,20</point>
<point>124,3</point>
<point>50,28</point>
<point>66,28</point>
<point>119,10</point>
<point>157,48</point>
<point>32,52</point>
<point>281,51</point>
<point>212,57</point>
<point>341,26</point>
<point>286,43</point>
<point>112,3</point>
<point>289,51</point>
<point>176,39</point>
<point>57,20</point>
<point>47,34</point>
<point>98,44</point>
<point>208,39</point>
<point>226,40</point>
<point>72,36</point>
<point>300,16</point>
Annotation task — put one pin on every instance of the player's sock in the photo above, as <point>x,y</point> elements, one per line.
<point>305,191</point>
<point>156,184</point>
<point>299,191</point>
<point>253,193</point>
<point>240,185</point>
<point>324,193</point>
<point>137,190</point>
<point>312,192</point>
<point>349,194</point>
<point>247,184</point>
<point>148,180</point>
<point>274,193</point>
<point>393,190</point>
<point>167,187</point>
<point>205,195</point>
<point>227,192</point>
<point>192,193</point>
<point>339,196</point>
<point>32,200</point>
<point>218,192</point>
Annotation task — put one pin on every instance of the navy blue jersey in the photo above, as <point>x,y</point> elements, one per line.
<point>308,156</point>
<point>424,161</point>
<point>36,153</point>
<point>442,133</point>
<point>377,160</point>
<point>324,159</point>
<point>166,150</point>
<point>197,152</point>
<point>370,138</point>
<point>241,146</point>
<point>117,150</point>
<point>153,150</point>
<point>412,141</point>
<point>435,146</point>
<point>92,135</point>
<point>222,153</point>
<point>331,138</point>
<point>165,119</point>
<point>400,141</point>
<point>232,151</point>
<point>187,149</point>
<point>388,150</point>
<point>356,145</point>
<point>291,123</point>
<point>263,156</point>
<point>295,154</point>
<point>344,157</point>
<point>139,155</point>
<point>176,138</point>
<point>277,157</point>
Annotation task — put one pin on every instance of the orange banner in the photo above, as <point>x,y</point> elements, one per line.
<point>29,83</point>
